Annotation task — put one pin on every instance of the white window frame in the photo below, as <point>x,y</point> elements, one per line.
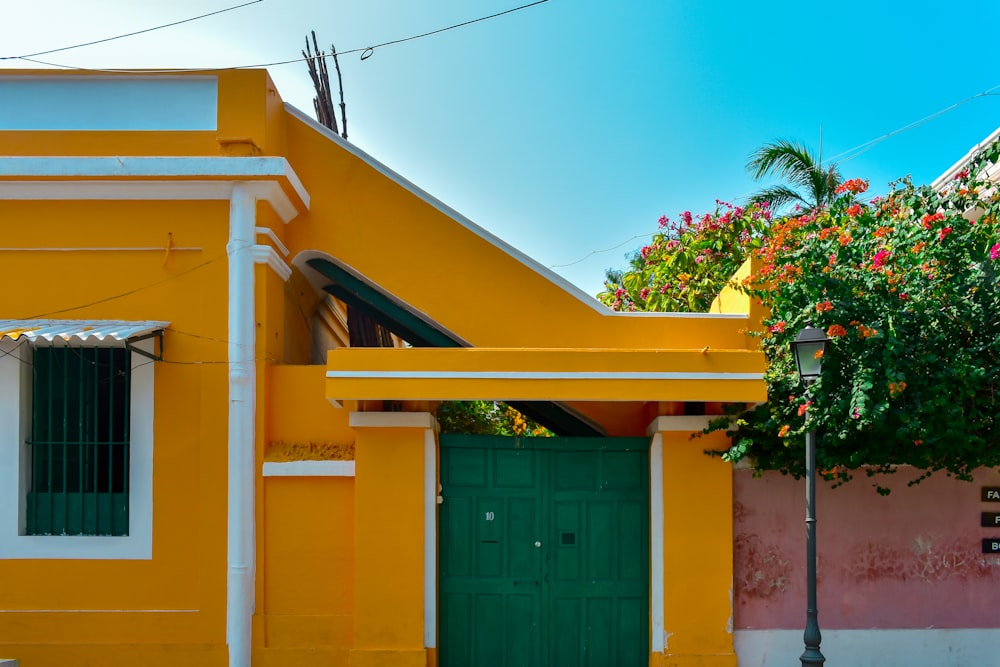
<point>15,431</point>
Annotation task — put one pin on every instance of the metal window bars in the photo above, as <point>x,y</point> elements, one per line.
<point>79,447</point>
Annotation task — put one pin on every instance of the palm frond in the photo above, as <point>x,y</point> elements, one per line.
<point>778,196</point>
<point>794,164</point>
<point>785,159</point>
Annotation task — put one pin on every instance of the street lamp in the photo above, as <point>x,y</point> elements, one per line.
<point>809,347</point>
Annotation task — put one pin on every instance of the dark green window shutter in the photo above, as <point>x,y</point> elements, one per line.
<point>79,444</point>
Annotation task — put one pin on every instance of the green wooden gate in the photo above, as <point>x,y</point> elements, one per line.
<point>544,551</point>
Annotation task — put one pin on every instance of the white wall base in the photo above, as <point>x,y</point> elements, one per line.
<point>872,648</point>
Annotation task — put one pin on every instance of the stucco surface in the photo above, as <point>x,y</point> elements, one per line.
<point>908,560</point>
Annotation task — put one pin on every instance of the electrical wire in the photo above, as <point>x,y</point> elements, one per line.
<point>365,51</point>
<point>839,158</point>
<point>29,56</point>
<point>126,293</point>
<point>860,149</point>
<point>598,252</point>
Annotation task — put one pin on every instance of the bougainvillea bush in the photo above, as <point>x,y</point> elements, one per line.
<point>688,261</point>
<point>906,288</point>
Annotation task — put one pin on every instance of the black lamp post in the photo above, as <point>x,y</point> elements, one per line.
<point>809,347</point>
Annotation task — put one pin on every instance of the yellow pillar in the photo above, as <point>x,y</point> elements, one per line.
<point>389,511</point>
<point>692,610</point>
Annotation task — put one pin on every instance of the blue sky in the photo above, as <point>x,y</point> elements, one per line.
<point>569,127</point>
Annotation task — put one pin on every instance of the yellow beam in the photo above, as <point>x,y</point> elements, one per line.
<point>545,374</point>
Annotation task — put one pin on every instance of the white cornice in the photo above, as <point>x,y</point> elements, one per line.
<point>270,179</point>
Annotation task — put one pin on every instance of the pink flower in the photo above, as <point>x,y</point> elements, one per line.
<point>664,220</point>
<point>644,292</point>
<point>879,260</point>
<point>995,252</point>
<point>778,327</point>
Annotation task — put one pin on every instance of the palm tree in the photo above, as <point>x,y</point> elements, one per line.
<point>806,182</point>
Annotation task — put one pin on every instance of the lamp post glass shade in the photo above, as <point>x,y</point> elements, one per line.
<point>809,347</point>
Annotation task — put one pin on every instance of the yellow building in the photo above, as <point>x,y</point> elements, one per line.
<point>223,338</point>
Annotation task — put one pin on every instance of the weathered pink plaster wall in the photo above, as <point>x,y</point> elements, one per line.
<point>908,560</point>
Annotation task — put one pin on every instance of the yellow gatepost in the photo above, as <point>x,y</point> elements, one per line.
<point>389,541</point>
<point>697,557</point>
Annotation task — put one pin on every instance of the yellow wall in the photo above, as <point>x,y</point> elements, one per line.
<point>340,560</point>
<point>173,604</point>
<point>425,258</point>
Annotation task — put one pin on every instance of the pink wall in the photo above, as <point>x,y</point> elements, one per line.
<point>909,560</point>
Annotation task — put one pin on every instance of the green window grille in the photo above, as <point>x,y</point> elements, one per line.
<point>79,447</point>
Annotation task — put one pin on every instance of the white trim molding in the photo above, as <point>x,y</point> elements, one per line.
<point>921,647</point>
<point>539,375</point>
<point>392,420</point>
<point>156,178</point>
<point>680,423</point>
<point>265,254</point>
<point>15,394</point>
<point>308,469</point>
<point>658,640</point>
<point>430,538</point>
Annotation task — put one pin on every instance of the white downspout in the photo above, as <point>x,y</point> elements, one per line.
<point>242,389</point>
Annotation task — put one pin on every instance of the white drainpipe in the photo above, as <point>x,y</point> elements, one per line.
<point>242,389</point>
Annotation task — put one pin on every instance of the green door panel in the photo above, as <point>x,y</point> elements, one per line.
<point>544,552</point>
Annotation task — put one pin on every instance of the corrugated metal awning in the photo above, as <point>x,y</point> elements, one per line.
<point>86,331</point>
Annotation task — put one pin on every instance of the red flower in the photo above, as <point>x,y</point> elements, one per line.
<point>778,327</point>
<point>854,210</point>
<point>944,232</point>
<point>824,306</point>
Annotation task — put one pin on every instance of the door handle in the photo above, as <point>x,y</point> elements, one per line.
<point>525,582</point>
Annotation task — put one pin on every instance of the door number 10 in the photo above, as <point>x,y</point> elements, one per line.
<point>490,516</point>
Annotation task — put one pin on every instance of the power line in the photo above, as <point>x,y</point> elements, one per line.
<point>28,56</point>
<point>597,252</point>
<point>365,51</point>
<point>860,149</point>
<point>127,293</point>
<point>851,153</point>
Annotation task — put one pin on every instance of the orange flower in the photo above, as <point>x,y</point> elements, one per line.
<point>824,306</point>
<point>783,433</point>
<point>836,331</point>
<point>866,331</point>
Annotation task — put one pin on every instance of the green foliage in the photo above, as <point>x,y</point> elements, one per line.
<point>906,288</point>
<point>486,418</point>
<point>688,262</point>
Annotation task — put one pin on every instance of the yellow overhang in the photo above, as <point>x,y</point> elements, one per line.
<point>545,374</point>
